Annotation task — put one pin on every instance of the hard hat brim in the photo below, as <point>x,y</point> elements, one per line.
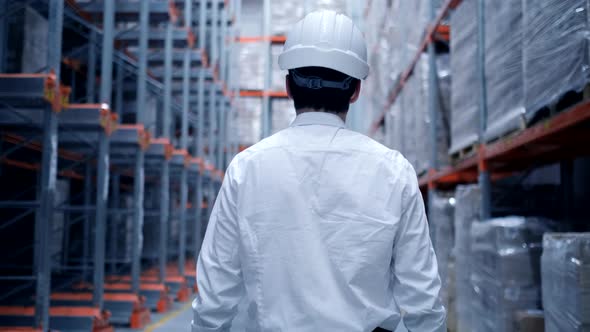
<point>312,56</point>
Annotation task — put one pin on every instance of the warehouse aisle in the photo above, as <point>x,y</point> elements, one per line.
<point>178,320</point>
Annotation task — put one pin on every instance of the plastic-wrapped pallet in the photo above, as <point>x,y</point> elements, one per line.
<point>151,227</point>
<point>278,75</point>
<point>283,113</point>
<point>27,37</point>
<point>441,212</point>
<point>395,127</point>
<point>286,13</point>
<point>504,72</point>
<point>418,111</point>
<point>467,203</point>
<point>464,91</point>
<point>451,300</point>
<point>416,15</point>
<point>556,54</point>
<point>249,120</point>
<point>411,105</point>
<point>58,223</point>
<point>529,321</point>
<point>505,275</point>
<point>252,66</point>
<point>566,282</point>
<point>424,119</point>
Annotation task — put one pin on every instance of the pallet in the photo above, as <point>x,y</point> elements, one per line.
<point>464,153</point>
<point>155,295</point>
<point>177,285</point>
<point>565,102</point>
<point>125,308</point>
<point>61,318</point>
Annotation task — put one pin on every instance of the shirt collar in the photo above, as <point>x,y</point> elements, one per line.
<point>318,118</point>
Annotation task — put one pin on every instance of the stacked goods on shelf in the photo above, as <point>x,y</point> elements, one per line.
<point>394,35</point>
<point>252,68</point>
<point>58,223</point>
<point>251,75</point>
<point>412,108</point>
<point>27,38</point>
<point>467,202</point>
<point>565,266</point>
<point>556,54</point>
<point>503,66</point>
<point>441,214</point>
<point>174,223</point>
<point>394,127</point>
<point>151,226</point>
<point>277,82</point>
<point>286,13</point>
<point>382,31</point>
<point>283,113</point>
<point>122,225</point>
<point>248,122</point>
<point>505,276</point>
<point>451,303</point>
<point>529,321</point>
<point>465,88</point>
<point>423,117</point>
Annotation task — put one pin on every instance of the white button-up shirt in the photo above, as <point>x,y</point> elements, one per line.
<point>318,228</point>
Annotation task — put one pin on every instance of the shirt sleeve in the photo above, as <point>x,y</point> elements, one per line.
<point>219,275</point>
<point>416,279</point>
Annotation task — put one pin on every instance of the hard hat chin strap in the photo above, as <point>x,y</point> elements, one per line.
<point>316,83</point>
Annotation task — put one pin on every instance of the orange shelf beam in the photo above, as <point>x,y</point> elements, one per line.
<point>257,39</point>
<point>548,141</point>
<point>261,93</point>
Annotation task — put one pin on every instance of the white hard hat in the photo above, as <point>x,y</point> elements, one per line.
<point>326,39</point>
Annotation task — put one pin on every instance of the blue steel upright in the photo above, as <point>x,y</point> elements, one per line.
<point>102,162</point>
<point>48,172</point>
<point>138,187</point>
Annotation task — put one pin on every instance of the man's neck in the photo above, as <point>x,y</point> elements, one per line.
<point>341,115</point>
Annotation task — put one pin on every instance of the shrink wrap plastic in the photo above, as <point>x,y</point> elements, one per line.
<point>468,201</point>
<point>464,90</point>
<point>505,275</point>
<point>286,13</point>
<point>283,113</point>
<point>556,54</point>
<point>441,215</point>
<point>504,69</point>
<point>565,266</point>
<point>252,68</point>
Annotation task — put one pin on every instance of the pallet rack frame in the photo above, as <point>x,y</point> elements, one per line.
<point>123,63</point>
<point>553,140</point>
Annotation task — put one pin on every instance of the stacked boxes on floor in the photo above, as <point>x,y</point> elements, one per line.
<point>465,87</point>
<point>441,215</point>
<point>566,282</point>
<point>503,66</point>
<point>556,53</point>
<point>505,275</point>
<point>468,200</point>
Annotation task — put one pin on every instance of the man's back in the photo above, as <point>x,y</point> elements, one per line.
<point>306,227</point>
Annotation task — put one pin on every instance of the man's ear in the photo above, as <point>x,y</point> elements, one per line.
<point>356,94</point>
<point>288,87</point>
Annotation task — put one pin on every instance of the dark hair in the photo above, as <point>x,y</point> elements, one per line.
<point>327,99</point>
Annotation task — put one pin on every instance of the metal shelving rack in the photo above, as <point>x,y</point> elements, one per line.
<point>97,137</point>
<point>554,140</point>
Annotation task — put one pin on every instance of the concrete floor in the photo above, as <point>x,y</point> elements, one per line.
<point>177,319</point>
